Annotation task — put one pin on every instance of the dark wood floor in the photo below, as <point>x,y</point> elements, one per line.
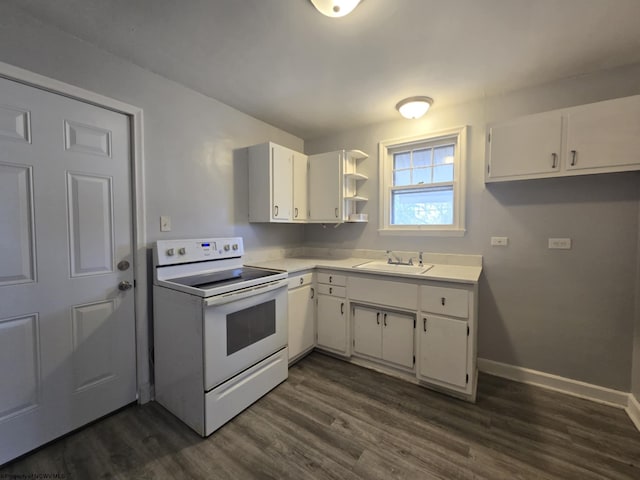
<point>335,420</point>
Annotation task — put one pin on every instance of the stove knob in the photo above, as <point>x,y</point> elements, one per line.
<point>170,252</point>
<point>235,246</point>
<point>226,248</point>
<point>182,251</point>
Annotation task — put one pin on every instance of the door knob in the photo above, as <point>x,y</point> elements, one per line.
<point>124,285</point>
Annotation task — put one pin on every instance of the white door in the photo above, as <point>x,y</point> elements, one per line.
<point>325,187</point>
<point>603,135</point>
<point>367,331</point>
<point>443,350</point>
<point>332,323</point>
<point>281,186</point>
<point>526,146</point>
<point>397,338</point>
<point>300,190</point>
<point>301,325</point>
<point>67,351</point>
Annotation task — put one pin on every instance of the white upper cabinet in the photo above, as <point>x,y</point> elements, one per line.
<point>604,135</point>
<point>333,186</point>
<point>271,183</point>
<point>525,147</point>
<point>300,187</point>
<point>596,138</point>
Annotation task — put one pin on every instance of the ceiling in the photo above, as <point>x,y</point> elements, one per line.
<point>283,62</point>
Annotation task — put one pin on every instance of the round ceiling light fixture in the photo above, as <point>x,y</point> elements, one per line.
<point>335,8</point>
<point>414,107</point>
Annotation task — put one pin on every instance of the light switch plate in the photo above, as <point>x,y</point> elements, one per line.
<point>499,241</point>
<point>560,243</point>
<point>165,223</point>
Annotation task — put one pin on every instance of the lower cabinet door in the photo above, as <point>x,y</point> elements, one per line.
<point>397,338</point>
<point>367,331</point>
<point>301,328</point>
<point>443,350</point>
<point>332,323</point>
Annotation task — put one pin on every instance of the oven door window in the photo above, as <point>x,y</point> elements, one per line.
<point>248,326</point>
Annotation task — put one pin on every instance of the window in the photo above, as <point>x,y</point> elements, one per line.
<point>422,184</point>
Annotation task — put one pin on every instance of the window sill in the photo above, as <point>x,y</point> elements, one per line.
<point>423,232</point>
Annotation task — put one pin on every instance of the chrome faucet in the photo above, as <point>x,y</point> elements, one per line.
<point>398,260</point>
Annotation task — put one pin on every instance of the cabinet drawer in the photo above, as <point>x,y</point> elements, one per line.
<point>384,292</point>
<point>331,290</point>
<point>332,279</point>
<point>444,300</point>
<point>300,280</point>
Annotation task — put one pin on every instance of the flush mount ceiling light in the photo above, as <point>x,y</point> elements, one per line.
<point>335,8</point>
<point>414,107</point>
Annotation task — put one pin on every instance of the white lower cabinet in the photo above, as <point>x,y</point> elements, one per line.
<point>332,323</point>
<point>301,315</point>
<point>443,347</point>
<point>383,335</point>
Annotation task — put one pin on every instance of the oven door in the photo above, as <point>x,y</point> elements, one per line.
<point>242,328</point>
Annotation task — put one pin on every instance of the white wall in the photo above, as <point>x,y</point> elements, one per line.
<point>569,313</point>
<point>195,167</point>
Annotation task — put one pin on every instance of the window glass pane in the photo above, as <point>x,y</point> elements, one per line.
<point>443,155</point>
<point>402,178</point>
<point>422,207</point>
<point>402,160</point>
<point>443,173</point>
<point>422,158</point>
<point>421,175</point>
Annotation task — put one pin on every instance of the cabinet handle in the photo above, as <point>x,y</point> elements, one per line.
<point>378,318</point>
<point>330,290</point>
<point>573,157</point>
<point>295,214</point>
<point>275,210</point>
<point>336,212</point>
<point>342,308</point>
<point>385,320</point>
<point>330,279</point>
<point>301,280</point>
<point>313,292</point>
<point>424,323</point>
<point>554,160</point>
<point>443,300</point>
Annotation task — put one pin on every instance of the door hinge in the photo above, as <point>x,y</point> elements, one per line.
<point>134,283</point>
<point>488,137</point>
<point>414,326</point>
<point>467,330</point>
<point>467,380</point>
<point>414,359</point>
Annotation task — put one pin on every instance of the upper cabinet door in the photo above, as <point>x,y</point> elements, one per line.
<point>526,147</point>
<point>604,135</point>
<point>300,190</point>
<point>325,187</point>
<point>281,185</point>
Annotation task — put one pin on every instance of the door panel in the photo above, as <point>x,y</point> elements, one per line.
<point>367,331</point>
<point>443,350</point>
<point>65,165</point>
<point>332,323</point>
<point>17,263</point>
<point>397,339</point>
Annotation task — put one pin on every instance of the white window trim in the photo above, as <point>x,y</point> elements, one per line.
<point>385,167</point>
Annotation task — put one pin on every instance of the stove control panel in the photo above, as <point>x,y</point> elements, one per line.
<point>171,252</point>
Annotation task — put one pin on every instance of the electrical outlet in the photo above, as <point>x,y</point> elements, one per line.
<point>560,243</point>
<point>499,241</point>
<point>165,223</point>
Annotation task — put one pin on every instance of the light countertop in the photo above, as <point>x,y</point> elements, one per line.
<point>444,273</point>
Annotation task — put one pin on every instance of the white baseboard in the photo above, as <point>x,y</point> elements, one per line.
<point>575,388</point>
<point>633,410</point>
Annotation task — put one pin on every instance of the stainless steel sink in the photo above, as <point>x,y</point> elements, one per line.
<point>383,266</point>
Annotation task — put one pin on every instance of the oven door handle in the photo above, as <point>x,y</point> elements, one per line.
<point>244,293</point>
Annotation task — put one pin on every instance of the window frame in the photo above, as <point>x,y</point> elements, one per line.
<point>458,136</point>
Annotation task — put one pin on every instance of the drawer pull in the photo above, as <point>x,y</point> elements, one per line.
<point>330,290</point>
<point>573,157</point>
<point>554,160</point>
<point>301,280</point>
<point>275,209</point>
<point>336,212</point>
<point>330,278</point>
<point>443,300</point>
<point>296,212</point>
<point>424,323</point>
<point>313,292</point>
<point>385,320</point>
<point>342,308</point>
<point>378,318</point>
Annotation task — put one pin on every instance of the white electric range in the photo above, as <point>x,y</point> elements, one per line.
<point>220,330</point>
